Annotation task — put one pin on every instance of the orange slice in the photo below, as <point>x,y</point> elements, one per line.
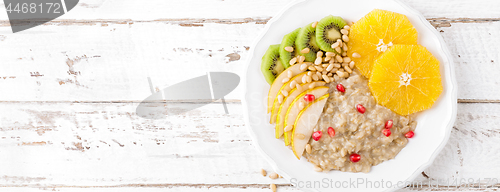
<point>375,33</point>
<point>406,79</point>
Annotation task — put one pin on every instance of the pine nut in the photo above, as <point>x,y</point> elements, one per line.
<point>345,38</point>
<point>319,54</point>
<point>280,98</point>
<point>305,50</point>
<point>285,80</point>
<point>290,74</point>
<point>312,85</point>
<point>326,59</point>
<point>284,92</point>
<point>332,61</point>
<point>300,136</point>
<point>263,172</point>
<point>348,69</point>
<point>302,58</point>
<point>330,54</point>
<point>308,148</point>
<point>299,88</point>
<point>309,79</point>
<point>345,47</point>
<point>325,77</point>
<point>293,61</point>
<point>343,31</point>
<point>339,58</point>
<point>289,49</point>
<point>273,187</point>
<point>304,79</point>
<point>347,59</point>
<point>351,65</point>
<point>301,105</point>
<point>318,74</point>
<point>317,61</point>
<point>289,127</point>
<point>356,55</point>
<point>330,67</point>
<point>338,49</point>
<point>341,69</point>
<point>344,54</point>
<point>314,24</point>
<point>324,72</point>
<point>346,27</point>
<point>336,65</point>
<point>292,84</point>
<point>317,169</point>
<point>340,42</point>
<point>324,66</point>
<point>309,73</point>
<point>340,73</point>
<point>315,77</point>
<point>329,74</point>
<point>303,67</point>
<point>345,64</point>
<point>311,68</point>
<point>319,68</point>
<point>335,45</point>
<point>273,175</point>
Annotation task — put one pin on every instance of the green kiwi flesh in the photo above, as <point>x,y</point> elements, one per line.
<point>288,41</point>
<point>307,39</point>
<point>328,31</point>
<point>271,65</point>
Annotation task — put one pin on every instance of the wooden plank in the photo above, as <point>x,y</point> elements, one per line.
<point>105,144</point>
<point>155,9</point>
<point>113,61</point>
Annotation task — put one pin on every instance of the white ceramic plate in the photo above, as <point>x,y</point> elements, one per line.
<point>433,127</point>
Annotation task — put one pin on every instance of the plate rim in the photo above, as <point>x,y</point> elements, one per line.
<point>453,89</point>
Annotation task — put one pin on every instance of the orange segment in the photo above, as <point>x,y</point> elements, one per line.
<point>375,33</point>
<point>406,79</point>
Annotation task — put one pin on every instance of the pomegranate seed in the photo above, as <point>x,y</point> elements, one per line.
<point>410,134</point>
<point>309,97</point>
<point>340,88</point>
<point>355,157</point>
<point>317,135</point>
<point>386,132</point>
<point>331,131</point>
<point>388,124</point>
<point>360,108</point>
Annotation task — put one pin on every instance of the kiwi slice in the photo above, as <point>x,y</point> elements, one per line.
<point>328,31</point>
<point>288,41</point>
<point>271,65</point>
<point>307,39</point>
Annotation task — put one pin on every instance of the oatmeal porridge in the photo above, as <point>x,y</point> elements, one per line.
<point>355,132</point>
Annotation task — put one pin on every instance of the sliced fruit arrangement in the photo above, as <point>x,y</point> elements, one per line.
<point>373,34</point>
<point>281,80</point>
<point>304,124</point>
<point>406,79</point>
<point>297,105</point>
<point>328,32</point>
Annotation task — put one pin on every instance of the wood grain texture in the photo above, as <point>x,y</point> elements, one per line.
<point>105,144</point>
<point>112,62</point>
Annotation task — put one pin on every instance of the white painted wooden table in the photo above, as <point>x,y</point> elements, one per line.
<point>69,90</point>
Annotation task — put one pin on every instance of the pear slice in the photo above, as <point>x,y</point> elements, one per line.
<point>294,110</point>
<point>280,119</point>
<point>286,87</point>
<point>305,123</point>
<point>278,83</point>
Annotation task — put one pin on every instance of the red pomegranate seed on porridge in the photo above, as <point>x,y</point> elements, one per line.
<point>317,135</point>
<point>355,157</point>
<point>410,134</point>
<point>340,88</point>
<point>360,108</point>
<point>388,124</point>
<point>386,132</point>
<point>309,97</point>
<point>331,131</point>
